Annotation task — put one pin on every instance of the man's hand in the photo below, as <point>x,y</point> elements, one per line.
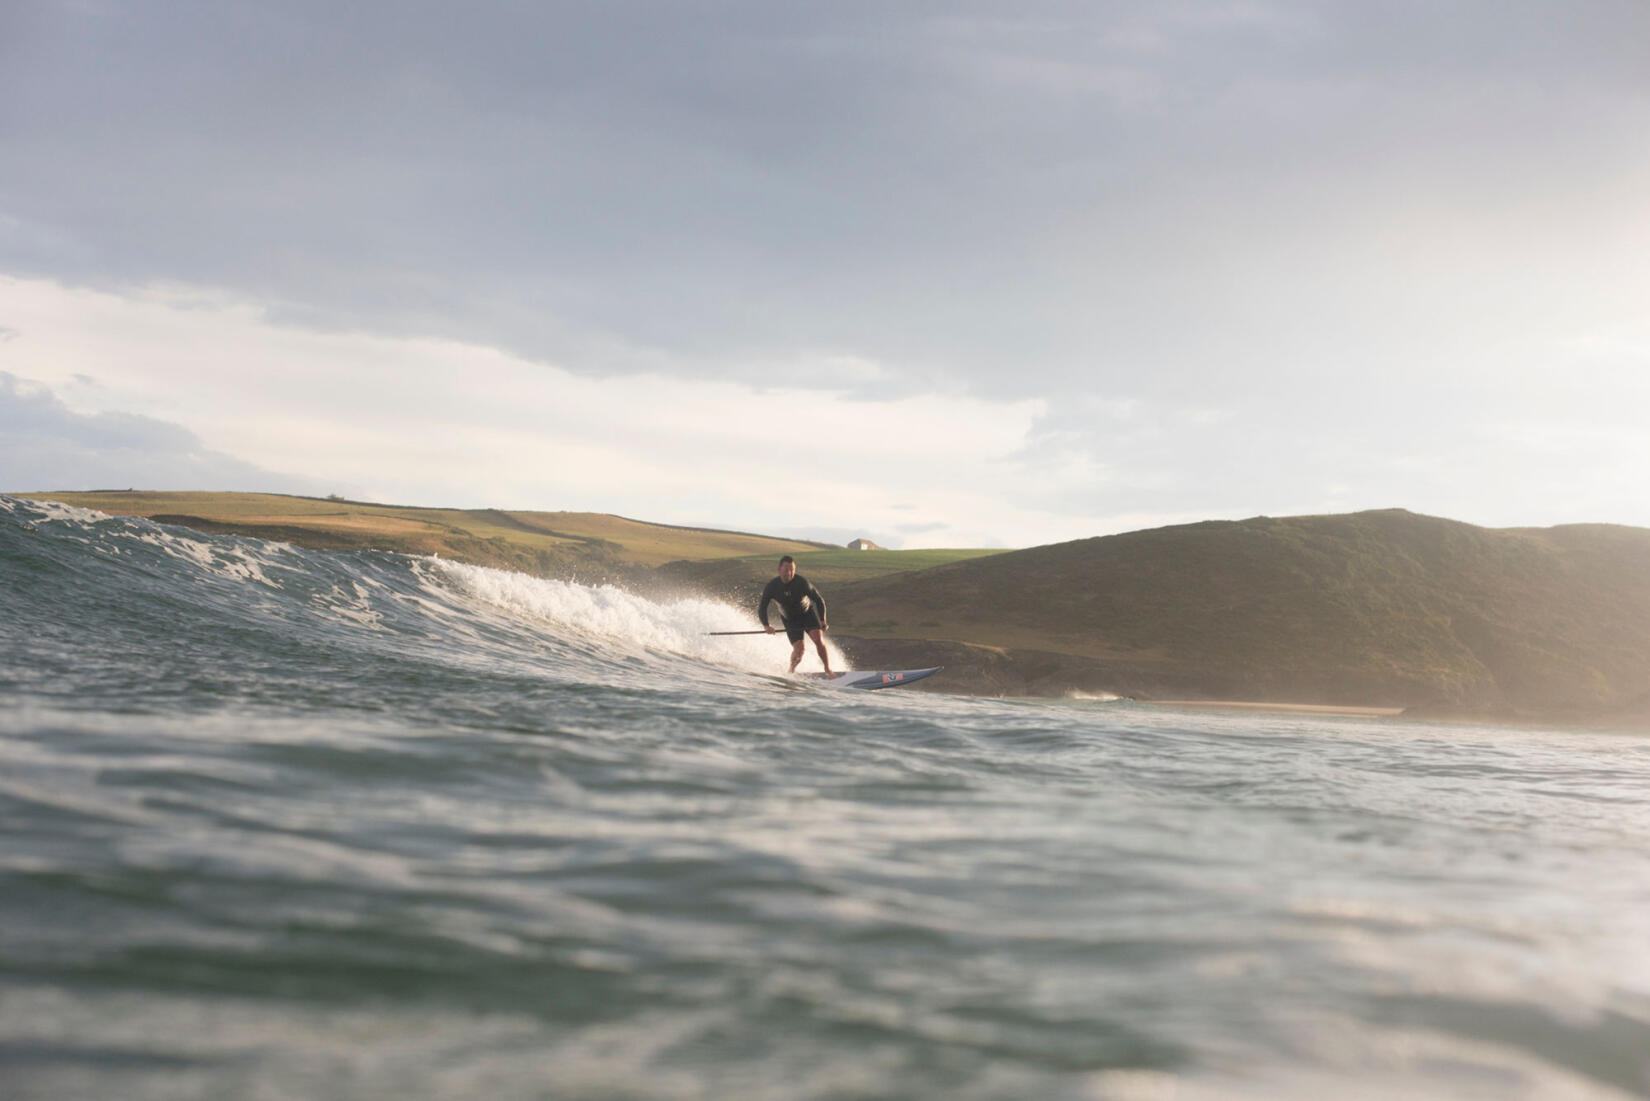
<point>824,626</point>
<point>771,629</point>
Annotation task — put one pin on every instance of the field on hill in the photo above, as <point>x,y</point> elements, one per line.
<point>551,544</point>
<point>587,545</point>
<point>737,577</point>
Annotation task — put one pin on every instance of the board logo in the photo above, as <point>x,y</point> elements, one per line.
<point>892,678</point>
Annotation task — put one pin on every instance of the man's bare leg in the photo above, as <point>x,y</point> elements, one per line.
<point>796,655</point>
<point>819,644</point>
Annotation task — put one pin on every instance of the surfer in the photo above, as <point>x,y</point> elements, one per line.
<point>801,610</point>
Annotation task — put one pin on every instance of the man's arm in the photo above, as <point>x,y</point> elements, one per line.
<point>762,607</point>
<point>819,602</point>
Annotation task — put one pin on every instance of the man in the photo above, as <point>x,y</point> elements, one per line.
<point>801,609</point>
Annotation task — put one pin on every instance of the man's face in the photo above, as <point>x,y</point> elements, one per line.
<point>787,570</point>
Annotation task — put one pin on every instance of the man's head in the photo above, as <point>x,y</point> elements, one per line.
<point>787,568</point>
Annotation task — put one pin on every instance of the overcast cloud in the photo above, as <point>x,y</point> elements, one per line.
<point>1229,257</point>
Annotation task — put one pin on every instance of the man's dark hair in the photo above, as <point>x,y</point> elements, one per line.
<point>786,559</point>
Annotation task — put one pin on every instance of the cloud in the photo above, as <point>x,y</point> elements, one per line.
<point>440,422</point>
<point>174,380</point>
<point>1046,196</point>
<point>44,445</point>
<point>1201,259</point>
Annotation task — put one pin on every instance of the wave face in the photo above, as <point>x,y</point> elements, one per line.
<point>276,822</point>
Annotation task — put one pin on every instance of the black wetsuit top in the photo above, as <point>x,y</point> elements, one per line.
<point>795,601</point>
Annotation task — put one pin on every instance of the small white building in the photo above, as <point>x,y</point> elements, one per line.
<point>864,544</point>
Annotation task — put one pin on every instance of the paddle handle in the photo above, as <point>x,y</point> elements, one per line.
<point>761,632</point>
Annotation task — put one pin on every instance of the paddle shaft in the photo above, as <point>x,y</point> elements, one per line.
<point>762,632</point>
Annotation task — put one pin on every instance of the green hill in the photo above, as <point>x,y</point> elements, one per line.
<point>736,579</point>
<point>1381,608</point>
<point>592,546</point>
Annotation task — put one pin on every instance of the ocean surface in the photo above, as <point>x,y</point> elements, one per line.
<point>277,823</point>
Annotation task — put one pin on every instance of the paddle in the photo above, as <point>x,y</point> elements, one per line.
<point>761,632</point>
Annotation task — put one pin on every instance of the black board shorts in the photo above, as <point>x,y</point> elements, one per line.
<point>801,625</point>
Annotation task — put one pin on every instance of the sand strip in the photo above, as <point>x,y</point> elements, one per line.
<point>1296,708</point>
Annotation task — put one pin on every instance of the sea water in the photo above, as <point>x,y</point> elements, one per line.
<point>277,823</point>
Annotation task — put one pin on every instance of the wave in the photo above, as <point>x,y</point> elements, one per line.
<point>98,564</point>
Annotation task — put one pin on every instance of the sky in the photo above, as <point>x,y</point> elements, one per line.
<point>934,273</point>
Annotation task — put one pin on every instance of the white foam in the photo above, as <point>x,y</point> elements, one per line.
<point>236,563</point>
<point>611,616</point>
<point>47,512</point>
<point>354,608</point>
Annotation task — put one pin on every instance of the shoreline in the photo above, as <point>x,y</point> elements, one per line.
<point>1287,708</point>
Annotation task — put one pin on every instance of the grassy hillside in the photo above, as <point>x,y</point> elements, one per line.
<point>1384,608</point>
<point>550,544</point>
<point>739,578</point>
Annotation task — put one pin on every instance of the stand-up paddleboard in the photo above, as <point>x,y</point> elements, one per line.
<point>872,678</point>
<point>864,679</point>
